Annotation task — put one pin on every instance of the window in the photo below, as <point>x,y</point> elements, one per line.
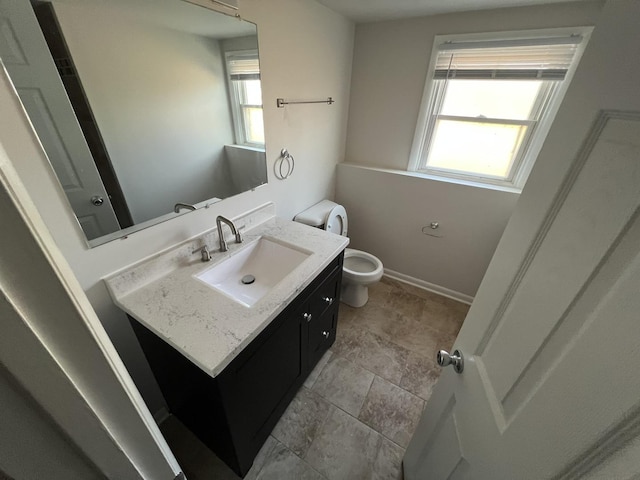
<point>243,70</point>
<point>488,105</point>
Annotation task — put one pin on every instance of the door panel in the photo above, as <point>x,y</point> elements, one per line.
<point>551,381</point>
<point>603,197</point>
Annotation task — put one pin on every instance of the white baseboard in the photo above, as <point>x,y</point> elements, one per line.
<point>431,287</point>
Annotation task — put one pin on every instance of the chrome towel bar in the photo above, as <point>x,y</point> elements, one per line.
<point>281,102</point>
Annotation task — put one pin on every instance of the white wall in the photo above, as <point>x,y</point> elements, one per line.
<point>160,98</point>
<point>308,56</point>
<point>389,71</point>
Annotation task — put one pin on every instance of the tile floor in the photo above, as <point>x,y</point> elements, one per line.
<point>355,414</point>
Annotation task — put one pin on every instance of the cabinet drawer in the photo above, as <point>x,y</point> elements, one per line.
<point>326,295</point>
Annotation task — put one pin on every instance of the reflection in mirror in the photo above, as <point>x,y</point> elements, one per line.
<point>140,105</point>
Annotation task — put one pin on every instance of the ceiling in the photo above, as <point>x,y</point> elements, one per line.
<point>376,10</point>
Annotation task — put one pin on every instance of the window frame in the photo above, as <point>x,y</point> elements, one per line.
<point>237,107</point>
<point>546,107</point>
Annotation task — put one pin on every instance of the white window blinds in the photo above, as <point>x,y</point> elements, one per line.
<point>547,59</point>
<point>243,68</point>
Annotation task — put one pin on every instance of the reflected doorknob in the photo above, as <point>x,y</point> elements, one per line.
<point>456,359</point>
<point>97,200</point>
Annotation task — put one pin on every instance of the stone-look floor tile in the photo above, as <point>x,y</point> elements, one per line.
<point>376,354</point>
<point>345,312</point>
<point>388,464</point>
<point>392,411</point>
<point>421,375</point>
<point>444,318</point>
<point>411,333</point>
<point>261,459</point>
<point>282,463</point>
<point>315,373</point>
<point>344,449</point>
<point>299,424</point>
<point>344,384</point>
<point>443,341</point>
<point>405,303</point>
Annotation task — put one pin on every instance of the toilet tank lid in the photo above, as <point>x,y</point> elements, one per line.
<point>317,214</point>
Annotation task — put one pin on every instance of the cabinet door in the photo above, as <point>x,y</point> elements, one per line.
<point>258,385</point>
<point>322,334</point>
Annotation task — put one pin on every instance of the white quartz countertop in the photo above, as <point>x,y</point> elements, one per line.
<point>206,326</point>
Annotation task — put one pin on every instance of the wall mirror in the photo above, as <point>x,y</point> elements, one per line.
<point>145,108</point>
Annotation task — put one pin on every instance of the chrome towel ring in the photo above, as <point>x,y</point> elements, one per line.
<point>284,165</point>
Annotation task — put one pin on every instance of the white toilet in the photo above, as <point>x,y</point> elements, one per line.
<point>360,269</point>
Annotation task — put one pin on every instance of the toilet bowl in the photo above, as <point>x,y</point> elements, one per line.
<point>360,269</point>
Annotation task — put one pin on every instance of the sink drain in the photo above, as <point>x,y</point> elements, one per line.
<point>248,279</point>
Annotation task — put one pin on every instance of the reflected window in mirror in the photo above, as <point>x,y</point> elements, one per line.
<point>245,92</point>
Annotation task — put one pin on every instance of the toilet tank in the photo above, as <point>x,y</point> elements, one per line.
<point>317,214</point>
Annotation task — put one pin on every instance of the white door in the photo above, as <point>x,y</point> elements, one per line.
<point>550,386</point>
<point>25,55</point>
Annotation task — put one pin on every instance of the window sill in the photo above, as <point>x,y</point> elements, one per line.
<point>247,147</point>
<point>437,178</point>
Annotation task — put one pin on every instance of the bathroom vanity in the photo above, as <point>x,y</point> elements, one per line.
<point>226,370</point>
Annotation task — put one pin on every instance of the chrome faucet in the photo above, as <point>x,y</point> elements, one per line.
<point>223,243</point>
<point>178,206</point>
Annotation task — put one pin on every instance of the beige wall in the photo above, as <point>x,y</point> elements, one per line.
<point>305,52</point>
<point>389,70</point>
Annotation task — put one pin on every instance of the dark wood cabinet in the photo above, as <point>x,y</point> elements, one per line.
<point>234,412</point>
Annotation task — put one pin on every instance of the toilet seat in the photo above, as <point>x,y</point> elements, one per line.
<point>336,221</point>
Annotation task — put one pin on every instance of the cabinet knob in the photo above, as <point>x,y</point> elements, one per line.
<point>326,334</point>
<point>306,316</point>
<point>329,300</point>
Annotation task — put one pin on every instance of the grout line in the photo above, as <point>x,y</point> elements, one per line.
<point>364,400</point>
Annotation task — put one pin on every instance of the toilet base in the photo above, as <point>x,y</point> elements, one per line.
<point>354,295</point>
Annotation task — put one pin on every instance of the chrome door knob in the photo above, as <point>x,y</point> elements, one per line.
<point>456,359</point>
<point>325,334</point>
<point>306,316</point>
<point>328,300</point>
<point>97,200</point>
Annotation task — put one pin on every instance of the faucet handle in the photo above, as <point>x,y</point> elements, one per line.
<point>204,251</point>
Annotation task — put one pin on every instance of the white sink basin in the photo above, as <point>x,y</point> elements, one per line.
<point>252,272</point>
